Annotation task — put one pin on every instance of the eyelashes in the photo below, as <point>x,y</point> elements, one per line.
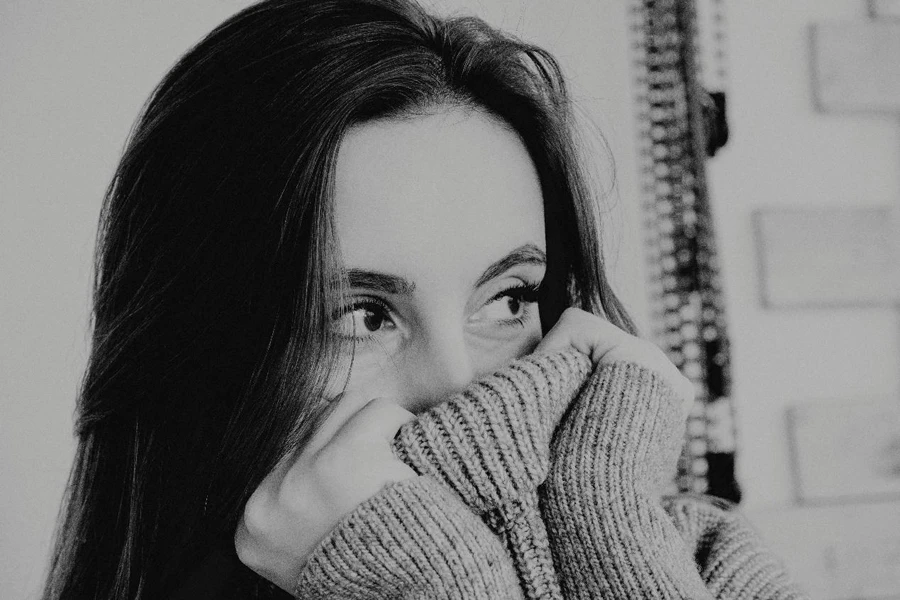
<point>362,318</point>
<point>365,319</point>
<point>523,292</point>
<point>520,300</point>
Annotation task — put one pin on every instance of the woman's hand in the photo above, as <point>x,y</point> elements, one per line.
<point>347,461</point>
<point>605,343</point>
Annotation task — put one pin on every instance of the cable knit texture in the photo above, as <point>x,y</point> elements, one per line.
<point>562,463</point>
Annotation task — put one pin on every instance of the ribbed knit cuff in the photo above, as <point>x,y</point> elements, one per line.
<point>609,534</point>
<point>490,443</point>
<point>627,425</point>
<point>415,539</point>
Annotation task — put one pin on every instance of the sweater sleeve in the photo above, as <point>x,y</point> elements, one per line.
<point>732,558</point>
<point>491,442</point>
<point>491,445</point>
<point>613,535</point>
<point>610,536</point>
<point>414,539</point>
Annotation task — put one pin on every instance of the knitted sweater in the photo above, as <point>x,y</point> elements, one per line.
<point>541,481</point>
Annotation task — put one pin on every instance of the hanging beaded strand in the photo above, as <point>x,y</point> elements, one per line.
<point>686,301</point>
<point>721,433</point>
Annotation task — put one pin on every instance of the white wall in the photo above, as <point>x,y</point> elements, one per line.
<point>783,153</point>
<point>73,76</point>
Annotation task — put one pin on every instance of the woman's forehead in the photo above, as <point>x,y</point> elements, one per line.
<point>431,195</point>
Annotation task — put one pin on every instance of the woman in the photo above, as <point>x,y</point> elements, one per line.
<point>332,218</point>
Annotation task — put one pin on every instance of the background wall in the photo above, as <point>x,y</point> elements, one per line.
<point>73,76</point>
<point>783,153</point>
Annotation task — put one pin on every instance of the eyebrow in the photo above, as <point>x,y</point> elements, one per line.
<point>528,254</point>
<point>379,282</point>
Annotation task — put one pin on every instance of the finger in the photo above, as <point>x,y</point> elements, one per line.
<point>379,419</point>
<point>244,544</point>
<point>589,334</point>
<point>604,341</point>
<point>343,407</point>
<point>596,337</point>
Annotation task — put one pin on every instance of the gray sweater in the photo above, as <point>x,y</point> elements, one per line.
<point>542,481</point>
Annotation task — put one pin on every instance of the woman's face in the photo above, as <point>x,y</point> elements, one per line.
<point>440,223</point>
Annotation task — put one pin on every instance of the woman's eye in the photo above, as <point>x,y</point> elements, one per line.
<point>364,319</point>
<point>506,307</point>
<point>511,306</point>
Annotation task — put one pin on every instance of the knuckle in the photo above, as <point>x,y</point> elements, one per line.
<point>372,411</point>
<point>245,548</point>
<point>657,355</point>
<point>651,348</point>
<point>257,514</point>
<point>380,404</point>
<point>246,555</point>
<point>385,411</point>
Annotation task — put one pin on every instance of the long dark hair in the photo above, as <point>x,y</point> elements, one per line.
<point>216,263</point>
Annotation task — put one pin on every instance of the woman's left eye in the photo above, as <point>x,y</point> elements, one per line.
<point>364,319</point>
<point>509,307</point>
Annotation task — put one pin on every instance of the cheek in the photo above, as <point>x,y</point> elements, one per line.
<point>491,355</point>
<point>379,373</point>
<point>375,375</point>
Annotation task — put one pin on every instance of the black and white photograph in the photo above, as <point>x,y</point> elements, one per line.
<point>449,299</point>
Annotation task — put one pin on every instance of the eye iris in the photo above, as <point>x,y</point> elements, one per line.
<point>514,304</point>
<point>372,320</point>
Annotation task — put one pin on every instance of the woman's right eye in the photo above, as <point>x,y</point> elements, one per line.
<point>364,319</point>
